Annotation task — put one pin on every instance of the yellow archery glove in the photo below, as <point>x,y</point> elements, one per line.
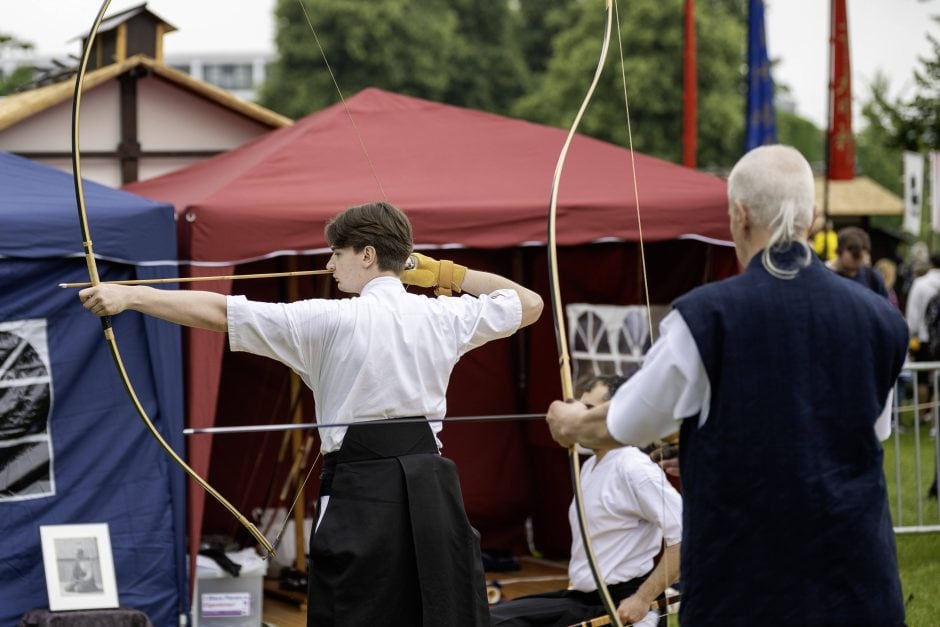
<point>425,271</point>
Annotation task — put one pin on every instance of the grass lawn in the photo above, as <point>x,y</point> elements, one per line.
<point>918,553</point>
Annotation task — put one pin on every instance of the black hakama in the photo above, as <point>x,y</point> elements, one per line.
<point>394,546</point>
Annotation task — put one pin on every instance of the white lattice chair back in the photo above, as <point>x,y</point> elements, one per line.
<point>608,339</point>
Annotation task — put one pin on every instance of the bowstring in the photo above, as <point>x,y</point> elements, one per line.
<point>378,182</point>
<point>297,493</point>
<point>352,121</point>
<point>646,290</point>
<point>636,187</point>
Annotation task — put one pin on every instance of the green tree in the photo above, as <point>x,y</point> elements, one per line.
<point>917,120</point>
<point>540,22</point>
<point>893,126</point>
<point>11,47</point>
<point>802,134</point>
<point>460,52</point>
<point>877,152</point>
<point>489,72</point>
<point>911,123</point>
<point>651,35</point>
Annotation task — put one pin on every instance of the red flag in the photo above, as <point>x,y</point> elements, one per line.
<point>689,89</point>
<point>841,142</point>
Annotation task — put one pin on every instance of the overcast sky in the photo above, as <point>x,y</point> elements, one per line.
<point>885,36</point>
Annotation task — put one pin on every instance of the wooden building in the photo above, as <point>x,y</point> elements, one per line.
<point>139,117</point>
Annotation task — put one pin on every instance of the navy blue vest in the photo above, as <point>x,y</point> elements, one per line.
<point>786,518</point>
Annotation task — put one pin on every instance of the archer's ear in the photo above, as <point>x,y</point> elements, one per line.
<point>369,256</point>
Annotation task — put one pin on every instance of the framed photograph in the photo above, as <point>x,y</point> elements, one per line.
<point>79,567</point>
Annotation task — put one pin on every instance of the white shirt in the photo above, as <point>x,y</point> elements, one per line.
<point>387,353</point>
<point>672,385</point>
<point>630,506</point>
<point>922,290</point>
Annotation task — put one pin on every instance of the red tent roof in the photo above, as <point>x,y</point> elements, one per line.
<point>464,177</point>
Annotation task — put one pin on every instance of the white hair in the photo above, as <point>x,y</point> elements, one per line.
<point>776,184</point>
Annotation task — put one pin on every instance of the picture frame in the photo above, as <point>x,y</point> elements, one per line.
<point>79,567</point>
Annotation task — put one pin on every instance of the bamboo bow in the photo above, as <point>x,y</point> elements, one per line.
<point>560,335</point>
<point>94,279</point>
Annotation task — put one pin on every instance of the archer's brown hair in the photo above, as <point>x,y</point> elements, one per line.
<point>378,224</point>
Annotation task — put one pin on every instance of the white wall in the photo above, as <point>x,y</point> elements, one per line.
<point>169,119</point>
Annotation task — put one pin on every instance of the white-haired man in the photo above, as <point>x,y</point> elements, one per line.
<point>779,380</point>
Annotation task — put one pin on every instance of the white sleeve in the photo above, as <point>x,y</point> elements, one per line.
<point>485,317</point>
<point>671,385</point>
<point>883,424</point>
<point>265,329</point>
<point>659,502</point>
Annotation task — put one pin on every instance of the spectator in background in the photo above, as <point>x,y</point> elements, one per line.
<point>889,273</point>
<point>915,267</point>
<point>853,259</point>
<point>922,322</point>
<point>922,291</point>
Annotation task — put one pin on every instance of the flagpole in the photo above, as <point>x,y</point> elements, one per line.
<point>827,142</point>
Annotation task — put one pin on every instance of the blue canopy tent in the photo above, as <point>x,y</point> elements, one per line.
<point>72,448</point>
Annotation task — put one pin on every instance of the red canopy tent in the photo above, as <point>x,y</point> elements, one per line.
<point>474,183</point>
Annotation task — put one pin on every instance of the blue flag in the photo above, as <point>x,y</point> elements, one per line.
<point>761,116</point>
